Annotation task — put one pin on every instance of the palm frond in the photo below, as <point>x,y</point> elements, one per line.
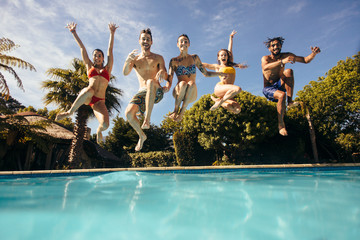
<point>11,70</point>
<point>16,62</point>
<point>4,89</point>
<point>7,45</point>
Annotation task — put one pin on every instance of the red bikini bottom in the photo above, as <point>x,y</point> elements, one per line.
<point>95,100</point>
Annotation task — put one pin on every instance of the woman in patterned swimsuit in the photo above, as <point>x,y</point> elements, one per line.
<point>225,90</point>
<point>99,76</point>
<point>184,66</point>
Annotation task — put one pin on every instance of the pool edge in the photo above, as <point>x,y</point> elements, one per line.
<point>104,170</point>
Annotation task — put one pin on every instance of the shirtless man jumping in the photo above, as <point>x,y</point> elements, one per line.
<point>150,69</point>
<point>278,81</point>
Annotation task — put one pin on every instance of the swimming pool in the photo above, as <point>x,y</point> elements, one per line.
<point>198,204</point>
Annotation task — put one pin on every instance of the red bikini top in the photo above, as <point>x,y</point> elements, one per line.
<point>104,73</point>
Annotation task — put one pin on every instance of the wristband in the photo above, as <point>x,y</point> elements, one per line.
<point>281,63</point>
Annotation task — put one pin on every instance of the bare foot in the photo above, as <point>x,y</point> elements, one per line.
<point>233,110</point>
<point>214,98</point>
<point>140,143</point>
<point>216,105</point>
<point>173,116</point>
<point>283,132</point>
<point>99,137</point>
<point>236,110</point>
<point>179,117</point>
<point>62,115</point>
<point>146,125</point>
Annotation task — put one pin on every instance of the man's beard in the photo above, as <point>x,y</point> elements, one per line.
<point>278,53</point>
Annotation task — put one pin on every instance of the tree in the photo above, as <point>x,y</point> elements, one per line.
<point>170,126</point>
<point>64,86</point>
<point>123,137</point>
<point>334,103</point>
<point>7,63</point>
<point>9,106</point>
<point>223,131</point>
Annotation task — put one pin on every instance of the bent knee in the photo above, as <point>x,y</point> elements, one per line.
<point>191,84</point>
<point>288,72</point>
<point>281,95</point>
<point>238,89</point>
<point>151,82</point>
<point>128,112</point>
<point>182,84</point>
<point>105,125</point>
<point>131,111</point>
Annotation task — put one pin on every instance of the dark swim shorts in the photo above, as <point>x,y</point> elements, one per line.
<point>269,91</point>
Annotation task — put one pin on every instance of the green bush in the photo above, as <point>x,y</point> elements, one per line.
<point>189,152</point>
<point>153,159</point>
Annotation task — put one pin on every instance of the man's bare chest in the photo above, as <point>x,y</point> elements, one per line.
<point>147,64</point>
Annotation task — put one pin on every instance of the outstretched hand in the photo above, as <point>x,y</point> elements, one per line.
<point>289,59</point>
<point>112,27</point>
<point>315,50</point>
<point>160,75</point>
<point>241,65</point>
<point>71,26</point>
<point>131,55</point>
<point>233,33</point>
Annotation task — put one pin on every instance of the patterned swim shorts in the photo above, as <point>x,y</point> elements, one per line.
<point>139,98</point>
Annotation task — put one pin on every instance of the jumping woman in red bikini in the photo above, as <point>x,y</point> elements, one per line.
<point>99,76</point>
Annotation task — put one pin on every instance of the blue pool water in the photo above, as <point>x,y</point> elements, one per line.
<point>241,204</point>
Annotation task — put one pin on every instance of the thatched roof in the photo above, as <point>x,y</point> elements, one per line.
<point>54,129</point>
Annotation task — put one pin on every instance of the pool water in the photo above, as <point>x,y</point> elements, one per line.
<point>160,205</point>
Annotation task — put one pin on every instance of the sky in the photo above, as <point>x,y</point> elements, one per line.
<point>38,27</point>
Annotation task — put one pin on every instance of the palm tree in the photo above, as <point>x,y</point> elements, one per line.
<point>63,87</point>
<point>7,63</point>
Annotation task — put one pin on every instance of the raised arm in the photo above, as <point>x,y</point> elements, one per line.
<point>231,41</point>
<point>84,55</point>
<point>112,28</point>
<point>203,70</point>
<point>129,62</point>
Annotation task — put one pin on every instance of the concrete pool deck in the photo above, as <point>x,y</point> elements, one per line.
<point>230,167</point>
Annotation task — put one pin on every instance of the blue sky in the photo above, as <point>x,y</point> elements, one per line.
<point>38,26</point>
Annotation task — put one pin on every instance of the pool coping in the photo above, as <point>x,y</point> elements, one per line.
<point>182,168</point>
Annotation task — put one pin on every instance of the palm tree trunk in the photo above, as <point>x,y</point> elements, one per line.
<point>29,154</point>
<point>80,128</point>
<point>312,132</point>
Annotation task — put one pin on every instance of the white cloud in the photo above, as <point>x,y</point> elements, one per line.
<point>297,7</point>
<point>344,14</point>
